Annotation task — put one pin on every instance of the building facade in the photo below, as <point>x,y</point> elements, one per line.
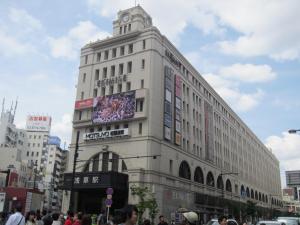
<point>144,116</point>
<point>293,181</point>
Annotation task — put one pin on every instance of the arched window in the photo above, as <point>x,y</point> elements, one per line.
<point>184,170</point>
<point>259,196</point>
<point>256,195</point>
<point>220,184</point>
<point>247,192</point>
<point>228,185</point>
<point>252,194</point>
<point>242,190</point>
<point>263,197</point>
<point>210,181</point>
<point>266,199</point>
<point>198,176</point>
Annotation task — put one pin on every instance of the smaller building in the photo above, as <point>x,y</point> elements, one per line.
<point>293,181</point>
<point>290,204</point>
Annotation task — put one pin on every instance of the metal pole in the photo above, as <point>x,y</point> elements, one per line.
<point>73,174</point>
<point>107,214</point>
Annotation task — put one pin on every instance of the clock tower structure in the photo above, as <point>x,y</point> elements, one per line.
<point>129,20</point>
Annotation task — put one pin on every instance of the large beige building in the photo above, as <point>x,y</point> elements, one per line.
<point>162,125</point>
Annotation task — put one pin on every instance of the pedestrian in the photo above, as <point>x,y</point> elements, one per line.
<point>130,214</point>
<point>86,220</point>
<point>17,218</point>
<point>222,220</point>
<point>61,218</point>
<point>55,217</point>
<point>77,218</point>
<point>146,222</point>
<point>38,218</point>
<point>162,220</point>
<point>190,218</point>
<point>47,218</point>
<point>101,218</point>
<point>70,217</point>
<point>30,218</point>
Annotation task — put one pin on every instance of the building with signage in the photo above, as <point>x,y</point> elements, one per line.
<point>293,181</point>
<point>291,204</point>
<point>144,116</point>
<point>54,169</point>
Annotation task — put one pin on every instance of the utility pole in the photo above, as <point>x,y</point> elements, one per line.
<point>74,168</point>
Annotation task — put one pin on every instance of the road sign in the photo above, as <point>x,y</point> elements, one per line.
<point>109,191</point>
<point>108,202</point>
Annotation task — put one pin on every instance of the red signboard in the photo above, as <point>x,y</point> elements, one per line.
<point>81,104</point>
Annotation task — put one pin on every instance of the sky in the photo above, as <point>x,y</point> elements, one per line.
<point>248,50</point>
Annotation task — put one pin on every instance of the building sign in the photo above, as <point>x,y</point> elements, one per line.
<point>168,103</point>
<point>172,58</point>
<point>115,107</point>
<point>38,123</point>
<point>111,81</point>
<point>83,104</point>
<point>96,180</point>
<point>209,141</point>
<point>105,134</point>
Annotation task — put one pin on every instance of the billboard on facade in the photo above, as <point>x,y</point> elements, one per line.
<point>167,133</point>
<point>178,138</point>
<point>113,107</point>
<point>38,123</point>
<point>82,104</point>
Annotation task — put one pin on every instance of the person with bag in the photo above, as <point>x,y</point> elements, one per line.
<point>17,218</point>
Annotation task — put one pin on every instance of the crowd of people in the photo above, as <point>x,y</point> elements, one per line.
<point>126,216</point>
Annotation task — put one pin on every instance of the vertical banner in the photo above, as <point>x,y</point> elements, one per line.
<point>168,103</point>
<point>177,110</point>
<point>209,139</point>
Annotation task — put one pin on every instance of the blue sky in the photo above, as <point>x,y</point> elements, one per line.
<point>248,51</point>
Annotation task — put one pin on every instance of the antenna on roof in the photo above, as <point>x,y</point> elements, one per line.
<point>15,110</point>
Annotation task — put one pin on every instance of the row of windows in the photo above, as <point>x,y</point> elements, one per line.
<point>35,136</point>
<point>34,145</point>
<point>124,29</point>
<point>32,153</point>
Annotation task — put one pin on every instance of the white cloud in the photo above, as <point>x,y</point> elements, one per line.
<point>23,18</point>
<point>68,46</point>
<point>63,128</point>
<point>248,72</point>
<point>231,93</point>
<point>263,28</point>
<point>286,149</point>
<point>38,77</point>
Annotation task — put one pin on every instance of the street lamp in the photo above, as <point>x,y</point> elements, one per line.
<point>293,131</point>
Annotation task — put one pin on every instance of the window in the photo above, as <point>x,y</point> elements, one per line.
<point>129,27</point>
<point>171,166</point>
<point>126,125</point>
<point>38,144</point>
<point>125,28</point>
<point>84,77</point>
<point>108,128</point>
<point>79,115</point>
<point>139,106</point>
<point>120,32</point>
<point>103,91</point>
<point>28,144</point>
<point>114,52</point>
<point>117,126</point>
<point>142,83</point>
<point>121,67</point>
<point>119,88</point>
<point>32,153</point>
<point>27,154</point>
<point>40,136</point>
<point>106,54</point>
<point>97,74</point>
<point>111,89</point>
<point>37,153</point>
<point>140,128</point>
<point>86,59</point>
<point>128,86</point>
<point>112,71</point>
<point>130,48</point>
<point>30,136</point>
<point>105,156</point>
<point>95,92</point>
<point>144,44</point>
<point>34,137</point>
<point>104,75</point>
<point>143,63</point>
<point>82,95</point>
<point>98,56</point>
<point>122,50</point>
<point>129,67</point>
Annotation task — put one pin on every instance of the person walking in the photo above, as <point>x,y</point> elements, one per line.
<point>162,220</point>
<point>55,217</point>
<point>17,218</point>
<point>190,218</point>
<point>130,214</point>
<point>30,218</point>
<point>77,218</point>
<point>222,220</point>
<point>69,220</point>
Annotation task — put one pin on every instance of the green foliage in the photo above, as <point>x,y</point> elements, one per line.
<point>147,200</point>
<point>251,208</point>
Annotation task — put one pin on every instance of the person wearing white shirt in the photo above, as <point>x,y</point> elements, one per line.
<point>17,218</point>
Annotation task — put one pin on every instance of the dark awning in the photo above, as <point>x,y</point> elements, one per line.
<point>91,180</point>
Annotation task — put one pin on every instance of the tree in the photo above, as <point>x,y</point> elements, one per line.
<point>147,200</point>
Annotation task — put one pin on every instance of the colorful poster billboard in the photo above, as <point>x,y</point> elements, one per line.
<point>168,103</point>
<point>38,123</point>
<point>82,104</point>
<point>115,107</point>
